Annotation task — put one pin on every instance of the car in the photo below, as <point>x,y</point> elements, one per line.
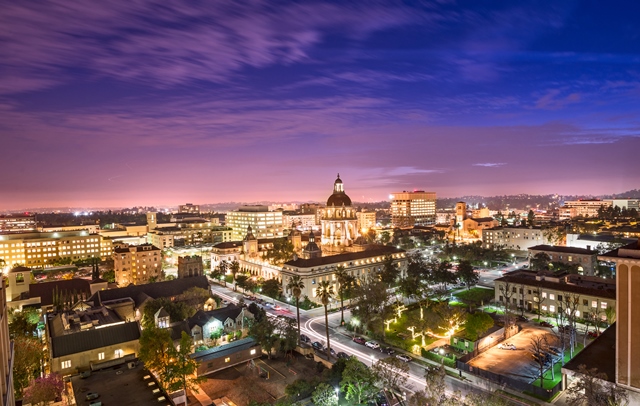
<point>332,352</point>
<point>403,357</point>
<point>545,324</point>
<point>92,396</point>
<point>304,338</point>
<point>269,305</point>
<point>593,334</point>
<point>521,318</point>
<point>372,344</point>
<point>342,355</point>
<point>387,350</point>
<point>276,307</point>
<point>506,346</point>
<point>317,345</point>
<point>359,340</point>
<point>225,302</point>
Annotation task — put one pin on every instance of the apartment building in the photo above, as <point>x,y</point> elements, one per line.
<point>417,208</point>
<point>42,249</point>
<point>137,264</point>
<point>547,292</point>
<point>513,238</point>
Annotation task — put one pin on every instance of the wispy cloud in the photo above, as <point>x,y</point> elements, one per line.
<point>490,164</point>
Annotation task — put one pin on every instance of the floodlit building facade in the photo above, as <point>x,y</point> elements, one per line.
<point>410,209</point>
<point>513,238</point>
<point>366,220</point>
<point>585,207</point>
<point>584,258</point>
<point>264,223</point>
<point>627,262</point>
<point>17,222</point>
<point>138,264</point>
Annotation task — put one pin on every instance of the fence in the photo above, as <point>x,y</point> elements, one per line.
<point>507,381</point>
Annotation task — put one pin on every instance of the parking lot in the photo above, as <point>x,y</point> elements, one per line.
<point>518,363</point>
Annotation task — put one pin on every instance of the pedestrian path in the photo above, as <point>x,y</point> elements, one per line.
<point>202,397</point>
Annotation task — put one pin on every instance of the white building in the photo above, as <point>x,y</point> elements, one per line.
<point>514,238</point>
<point>264,223</point>
<point>410,209</point>
<point>585,207</point>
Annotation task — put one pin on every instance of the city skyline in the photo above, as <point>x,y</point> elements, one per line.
<point>121,104</point>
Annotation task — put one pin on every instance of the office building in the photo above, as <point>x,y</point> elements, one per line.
<point>264,223</point>
<point>584,207</point>
<point>514,238</point>
<point>417,208</point>
<point>366,220</point>
<point>17,222</point>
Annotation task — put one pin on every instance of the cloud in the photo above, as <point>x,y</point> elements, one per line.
<point>555,99</point>
<point>490,164</point>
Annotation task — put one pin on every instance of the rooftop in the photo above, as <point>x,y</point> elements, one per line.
<point>379,250</point>
<point>563,249</point>
<point>628,251</point>
<point>601,354</point>
<point>583,285</point>
<point>224,350</point>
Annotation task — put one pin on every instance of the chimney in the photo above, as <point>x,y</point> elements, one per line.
<point>588,247</point>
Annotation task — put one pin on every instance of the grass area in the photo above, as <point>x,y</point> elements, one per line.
<point>475,296</point>
<point>492,310</point>
<point>549,383</point>
<point>457,304</point>
<point>399,336</point>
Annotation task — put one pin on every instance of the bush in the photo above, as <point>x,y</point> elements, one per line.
<point>300,389</point>
<point>450,362</point>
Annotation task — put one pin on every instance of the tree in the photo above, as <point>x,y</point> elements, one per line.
<point>241,280</point>
<point>263,331</point>
<point>357,382</point>
<point>178,311</point>
<point>390,271</point>
<point>531,216</point>
<point>419,398</point>
<point>434,384</point>
<point>507,290</point>
<point>540,262</point>
<point>272,288</point>
<point>288,334</point>
<point>281,251</point>
<point>593,389</point>
<point>324,293</point>
<point>324,395</point>
<point>44,390</point>
<point>156,348</point>
<point>467,274</point>
<point>299,389</point>
<point>345,284</point>
<point>477,324</point>
<point>28,357</point>
<point>234,268</point>
<point>23,323</point>
<point>195,297</point>
<point>220,271</point>
<point>540,350</point>
<point>391,373</point>
<point>181,371</point>
<point>296,285</point>
<point>372,304</point>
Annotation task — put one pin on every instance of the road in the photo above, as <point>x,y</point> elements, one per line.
<point>314,328</point>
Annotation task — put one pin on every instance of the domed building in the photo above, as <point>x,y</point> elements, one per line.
<point>338,220</point>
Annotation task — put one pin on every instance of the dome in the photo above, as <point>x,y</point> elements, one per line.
<point>338,198</point>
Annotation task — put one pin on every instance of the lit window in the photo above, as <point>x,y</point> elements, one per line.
<point>552,296</point>
<point>101,356</point>
<point>544,295</point>
<point>252,352</point>
<point>227,359</point>
<point>66,364</point>
<point>603,305</point>
<point>594,303</point>
<point>552,308</point>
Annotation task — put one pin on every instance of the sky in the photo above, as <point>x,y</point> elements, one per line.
<point>136,102</point>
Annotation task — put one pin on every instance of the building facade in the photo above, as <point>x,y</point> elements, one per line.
<point>586,207</point>
<point>366,220</point>
<point>44,249</point>
<point>6,352</point>
<point>627,262</point>
<point>547,293</point>
<point>410,209</point>
<point>585,259</point>
<point>312,271</point>
<point>514,238</point>
<point>338,222</point>
<point>190,266</point>
<point>17,222</point>
<point>138,264</point>
<point>265,223</point>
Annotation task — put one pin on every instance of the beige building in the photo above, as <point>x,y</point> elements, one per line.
<point>137,264</point>
<point>300,221</point>
<point>85,338</point>
<point>265,223</point>
<point>410,209</point>
<point>189,208</point>
<point>547,292</point>
<point>585,207</point>
<point>188,234</point>
<point>190,266</point>
<point>42,249</point>
<point>584,258</point>
<point>338,220</point>
<point>6,352</point>
<point>513,238</point>
<point>359,264</point>
<point>474,227</point>
<point>17,222</point>
<point>366,220</point>
<point>627,261</point>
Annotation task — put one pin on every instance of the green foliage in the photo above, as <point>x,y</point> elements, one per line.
<point>281,251</point>
<point>195,297</point>
<point>109,276</point>
<point>178,311</point>
<point>358,382</point>
<point>391,373</point>
<point>467,274</point>
<point>389,272</point>
<point>477,324</point>
<point>300,389</point>
<point>263,331</point>
<point>181,371</point>
<point>155,351</point>
<point>23,322</point>
<point>540,262</point>
<point>272,288</point>
<point>28,357</point>
<point>324,395</point>
<point>43,390</point>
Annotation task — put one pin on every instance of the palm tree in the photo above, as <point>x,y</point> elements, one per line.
<point>345,281</point>
<point>296,285</point>
<point>325,292</point>
<point>234,268</point>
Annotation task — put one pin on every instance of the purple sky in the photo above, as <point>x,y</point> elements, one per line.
<point>124,103</point>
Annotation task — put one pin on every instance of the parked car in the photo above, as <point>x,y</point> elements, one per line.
<point>506,346</point>
<point>317,346</point>
<point>521,318</point>
<point>342,355</point>
<point>593,334</point>
<point>304,338</point>
<point>359,340</point>
<point>332,352</point>
<point>387,350</point>
<point>92,396</point>
<point>403,357</point>
<point>544,323</point>
<point>372,344</point>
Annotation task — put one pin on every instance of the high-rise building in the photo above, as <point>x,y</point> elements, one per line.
<point>410,209</point>
<point>264,223</point>
<point>627,261</point>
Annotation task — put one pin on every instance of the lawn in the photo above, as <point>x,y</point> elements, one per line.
<point>399,336</point>
<point>550,383</point>
<point>475,296</point>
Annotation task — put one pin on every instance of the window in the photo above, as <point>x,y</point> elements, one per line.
<point>528,291</point>
<point>514,289</point>
<point>559,298</point>
<point>101,356</point>
<point>228,359</point>
<point>552,296</point>
<point>544,295</point>
<point>544,307</point>
<point>252,352</point>
<point>118,353</point>
<point>552,308</point>
<point>585,302</point>
<point>603,305</point>
<point>594,303</point>
<point>66,364</point>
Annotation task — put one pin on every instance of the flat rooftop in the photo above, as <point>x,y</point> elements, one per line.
<point>601,354</point>
<point>120,386</point>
